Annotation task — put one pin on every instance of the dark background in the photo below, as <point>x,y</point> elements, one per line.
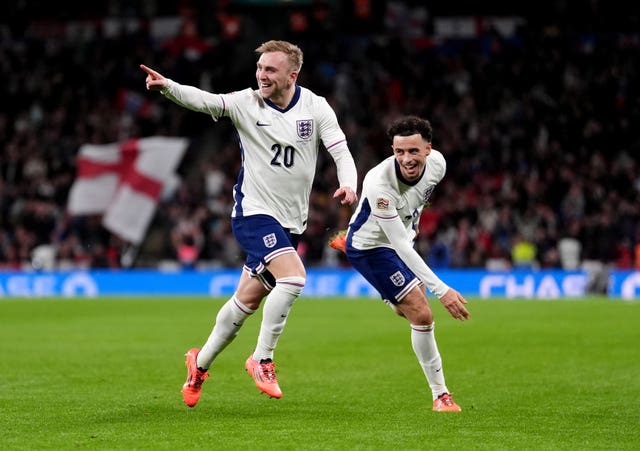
<point>539,125</point>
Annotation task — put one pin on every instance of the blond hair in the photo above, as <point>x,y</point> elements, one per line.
<point>293,52</point>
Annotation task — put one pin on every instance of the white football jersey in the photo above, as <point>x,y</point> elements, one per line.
<point>279,148</point>
<point>389,203</point>
<point>384,197</point>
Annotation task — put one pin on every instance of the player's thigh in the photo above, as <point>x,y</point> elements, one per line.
<point>385,270</point>
<point>264,240</point>
<point>415,307</point>
<point>286,265</point>
<point>250,291</point>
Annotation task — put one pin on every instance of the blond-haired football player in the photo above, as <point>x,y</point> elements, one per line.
<point>280,127</point>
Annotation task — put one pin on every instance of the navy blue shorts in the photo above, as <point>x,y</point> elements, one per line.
<point>262,238</point>
<point>383,268</point>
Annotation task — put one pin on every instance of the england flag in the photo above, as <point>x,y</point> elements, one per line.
<point>123,182</point>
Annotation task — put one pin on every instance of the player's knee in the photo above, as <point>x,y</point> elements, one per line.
<point>292,284</point>
<point>423,317</point>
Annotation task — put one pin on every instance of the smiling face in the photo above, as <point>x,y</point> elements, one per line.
<point>411,153</point>
<point>276,78</point>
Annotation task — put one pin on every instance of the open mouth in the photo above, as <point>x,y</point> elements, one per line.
<point>410,171</point>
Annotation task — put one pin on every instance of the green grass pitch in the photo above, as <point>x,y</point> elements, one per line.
<point>106,374</point>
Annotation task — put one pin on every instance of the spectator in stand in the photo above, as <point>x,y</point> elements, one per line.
<point>188,239</point>
<point>534,104</point>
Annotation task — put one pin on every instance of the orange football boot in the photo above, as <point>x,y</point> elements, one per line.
<point>445,403</point>
<point>264,375</point>
<point>338,241</point>
<point>195,377</point>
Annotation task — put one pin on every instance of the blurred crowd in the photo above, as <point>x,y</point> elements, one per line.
<point>537,127</point>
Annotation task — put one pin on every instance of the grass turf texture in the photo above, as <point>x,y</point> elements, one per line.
<point>106,374</point>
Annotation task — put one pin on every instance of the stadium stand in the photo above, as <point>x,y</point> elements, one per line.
<point>536,113</point>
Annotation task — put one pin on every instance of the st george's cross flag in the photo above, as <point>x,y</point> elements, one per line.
<point>123,182</point>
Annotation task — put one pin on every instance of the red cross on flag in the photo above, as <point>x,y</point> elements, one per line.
<point>123,182</point>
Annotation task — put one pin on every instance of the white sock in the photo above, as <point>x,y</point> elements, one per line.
<point>424,345</point>
<point>274,314</point>
<point>228,323</point>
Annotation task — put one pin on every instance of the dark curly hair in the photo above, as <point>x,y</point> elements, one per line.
<point>410,125</point>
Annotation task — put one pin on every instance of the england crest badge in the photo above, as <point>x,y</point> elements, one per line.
<point>397,278</point>
<point>305,128</point>
<point>270,240</point>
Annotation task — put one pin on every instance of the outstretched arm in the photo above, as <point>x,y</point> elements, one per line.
<point>187,96</point>
<point>155,81</point>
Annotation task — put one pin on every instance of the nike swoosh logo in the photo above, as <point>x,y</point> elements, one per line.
<point>262,124</point>
<point>438,370</point>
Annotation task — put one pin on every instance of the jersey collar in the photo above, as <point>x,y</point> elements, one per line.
<point>294,100</point>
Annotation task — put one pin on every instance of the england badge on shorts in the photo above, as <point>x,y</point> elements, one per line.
<point>397,278</point>
<point>270,240</point>
<point>305,128</point>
